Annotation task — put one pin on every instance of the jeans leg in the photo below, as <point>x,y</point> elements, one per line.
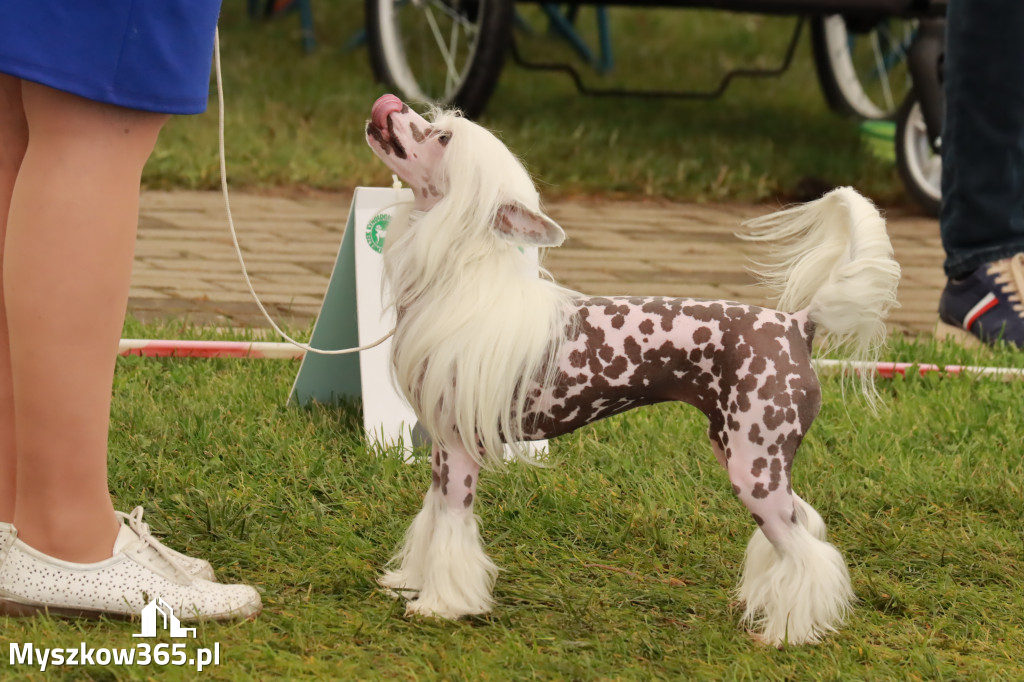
<point>982,216</point>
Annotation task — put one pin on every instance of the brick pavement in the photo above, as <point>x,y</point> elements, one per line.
<point>186,267</point>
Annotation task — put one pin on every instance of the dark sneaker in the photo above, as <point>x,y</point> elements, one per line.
<point>987,305</point>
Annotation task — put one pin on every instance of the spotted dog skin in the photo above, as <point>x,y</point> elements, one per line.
<point>748,369</point>
<point>455,476</point>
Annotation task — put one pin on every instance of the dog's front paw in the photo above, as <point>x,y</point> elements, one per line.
<point>433,607</point>
<point>397,585</point>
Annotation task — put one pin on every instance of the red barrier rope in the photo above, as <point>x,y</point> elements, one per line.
<point>165,348</point>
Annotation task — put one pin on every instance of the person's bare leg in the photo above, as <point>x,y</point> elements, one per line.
<point>13,140</point>
<point>67,269</point>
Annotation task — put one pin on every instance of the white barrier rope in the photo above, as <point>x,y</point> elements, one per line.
<point>287,351</point>
<point>234,236</point>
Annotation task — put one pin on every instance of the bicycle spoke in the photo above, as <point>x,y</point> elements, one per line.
<point>455,16</point>
<point>452,79</point>
<point>439,39</point>
<point>883,74</point>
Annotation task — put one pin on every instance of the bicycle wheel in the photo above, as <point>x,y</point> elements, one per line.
<point>441,52</point>
<point>862,69</point>
<point>919,166</point>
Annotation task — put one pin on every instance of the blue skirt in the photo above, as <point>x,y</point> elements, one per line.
<point>153,55</point>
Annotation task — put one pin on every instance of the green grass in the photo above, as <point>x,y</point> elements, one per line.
<point>618,561</point>
<point>295,121</point>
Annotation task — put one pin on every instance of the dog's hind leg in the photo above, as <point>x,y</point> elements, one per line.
<point>795,586</point>
<point>442,566</point>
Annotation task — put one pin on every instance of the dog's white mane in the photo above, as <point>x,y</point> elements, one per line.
<point>477,329</point>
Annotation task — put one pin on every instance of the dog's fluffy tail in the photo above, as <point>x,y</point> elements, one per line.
<point>833,258</point>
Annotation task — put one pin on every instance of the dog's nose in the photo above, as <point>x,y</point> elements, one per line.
<point>384,107</point>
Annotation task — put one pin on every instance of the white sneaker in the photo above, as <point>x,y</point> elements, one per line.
<point>197,568</point>
<point>7,535</point>
<point>139,571</point>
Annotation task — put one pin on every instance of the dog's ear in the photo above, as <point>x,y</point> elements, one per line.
<point>525,227</point>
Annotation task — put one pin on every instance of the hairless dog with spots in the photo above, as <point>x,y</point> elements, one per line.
<point>489,355</point>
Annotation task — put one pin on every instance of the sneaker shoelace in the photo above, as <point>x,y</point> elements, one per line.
<point>141,529</point>
<point>1009,273</point>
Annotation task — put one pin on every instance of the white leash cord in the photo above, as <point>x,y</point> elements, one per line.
<point>234,236</point>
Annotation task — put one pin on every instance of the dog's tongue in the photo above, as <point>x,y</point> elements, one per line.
<point>384,107</point>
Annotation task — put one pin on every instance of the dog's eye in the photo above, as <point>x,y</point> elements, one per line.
<point>444,138</point>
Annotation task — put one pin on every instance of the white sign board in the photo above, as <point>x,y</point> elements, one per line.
<point>352,314</point>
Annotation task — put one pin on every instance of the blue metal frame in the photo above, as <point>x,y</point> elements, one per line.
<point>564,24</point>
<point>305,9</point>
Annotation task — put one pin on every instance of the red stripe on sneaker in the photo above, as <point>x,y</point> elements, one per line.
<point>983,306</point>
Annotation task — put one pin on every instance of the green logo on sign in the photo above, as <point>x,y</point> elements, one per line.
<point>377,230</point>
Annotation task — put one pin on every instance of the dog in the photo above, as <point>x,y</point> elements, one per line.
<point>489,355</point>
